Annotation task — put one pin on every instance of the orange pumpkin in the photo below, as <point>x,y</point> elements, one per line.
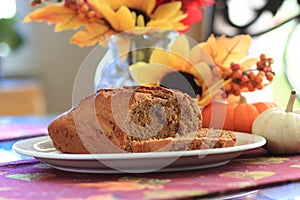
<point>233,116</point>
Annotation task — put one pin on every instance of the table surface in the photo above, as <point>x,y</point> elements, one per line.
<point>21,96</point>
<point>254,175</point>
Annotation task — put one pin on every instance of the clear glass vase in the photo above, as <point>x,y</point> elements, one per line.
<point>125,49</point>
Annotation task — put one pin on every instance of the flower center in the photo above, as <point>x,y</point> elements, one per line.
<point>181,81</point>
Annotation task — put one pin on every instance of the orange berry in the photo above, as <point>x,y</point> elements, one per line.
<point>261,73</point>
<point>227,73</point>
<point>259,79</point>
<point>237,74</point>
<point>244,79</point>
<point>267,69</point>
<point>235,66</point>
<point>250,86</point>
<point>91,14</point>
<point>99,14</point>
<point>252,76</point>
<point>270,76</point>
<point>235,86</point>
<point>227,87</point>
<point>83,8</point>
<point>259,86</point>
<point>262,56</point>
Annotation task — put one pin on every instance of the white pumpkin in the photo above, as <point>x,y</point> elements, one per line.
<point>280,127</point>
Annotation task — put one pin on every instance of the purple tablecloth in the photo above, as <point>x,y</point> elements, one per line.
<point>30,179</point>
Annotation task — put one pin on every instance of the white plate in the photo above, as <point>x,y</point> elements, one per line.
<point>42,149</point>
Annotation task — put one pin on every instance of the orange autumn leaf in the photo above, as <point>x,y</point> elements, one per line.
<point>225,50</point>
<point>63,17</point>
<point>248,63</point>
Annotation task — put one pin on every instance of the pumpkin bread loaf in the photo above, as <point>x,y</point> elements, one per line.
<point>134,119</point>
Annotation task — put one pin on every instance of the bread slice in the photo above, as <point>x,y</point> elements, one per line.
<point>204,139</point>
<point>130,119</point>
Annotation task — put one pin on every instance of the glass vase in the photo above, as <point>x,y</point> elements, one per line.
<point>125,49</point>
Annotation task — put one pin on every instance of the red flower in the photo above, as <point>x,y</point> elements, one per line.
<point>193,8</point>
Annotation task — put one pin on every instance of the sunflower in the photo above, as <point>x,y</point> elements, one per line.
<point>101,19</point>
<point>181,68</point>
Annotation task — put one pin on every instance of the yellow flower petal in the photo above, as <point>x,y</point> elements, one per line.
<point>160,23</point>
<point>110,16</point>
<point>169,58</point>
<point>149,6</point>
<point>140,21</point>
<point>160,56</point>
<point>125,19</point>
<point>146,7</point>
<point>181,46</point>
<point>166,24</point>
<point>167,10</point>
<point>149,74</point>
<point>179,17</point>
<point>179,26</point>
<point>179,63</point>
<point>115,4</point>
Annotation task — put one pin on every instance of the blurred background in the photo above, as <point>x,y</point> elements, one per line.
<point>39,66</point>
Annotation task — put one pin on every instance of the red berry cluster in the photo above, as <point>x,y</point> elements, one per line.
<point>248,80</point>
<point>84,9</point>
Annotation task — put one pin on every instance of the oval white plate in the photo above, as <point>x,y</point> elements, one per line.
<point>42,149</point>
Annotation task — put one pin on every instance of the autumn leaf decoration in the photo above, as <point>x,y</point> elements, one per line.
<point>225,50</point>
<point>65,19</point>
<point>234,66</point>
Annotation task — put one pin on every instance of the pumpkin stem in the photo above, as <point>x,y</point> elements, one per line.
<point>289,107</point>
<point>243,100</point>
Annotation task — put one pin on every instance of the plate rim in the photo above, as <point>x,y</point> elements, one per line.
<point>258,141</point>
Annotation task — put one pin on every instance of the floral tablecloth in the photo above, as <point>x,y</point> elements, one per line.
<point>30,179</point>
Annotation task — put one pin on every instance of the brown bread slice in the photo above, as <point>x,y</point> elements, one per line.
<point>115,120</point>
